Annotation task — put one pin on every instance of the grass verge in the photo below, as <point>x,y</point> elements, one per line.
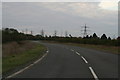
<point>109,49</point>
<point>104,48</point>
<point>15,60</point>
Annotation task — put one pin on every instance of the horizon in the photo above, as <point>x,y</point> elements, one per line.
<point>64,35</point>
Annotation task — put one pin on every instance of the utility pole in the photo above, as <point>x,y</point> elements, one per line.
<point>66,34</point>
<point>26,31</point>
<point>61,33</point>
<point>55,33</point>
<point>42,33</point>
<point>31,32</point>
<point>22,31</point>
<point>85,31</point>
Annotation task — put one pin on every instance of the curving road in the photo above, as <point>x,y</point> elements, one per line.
<point>64,61</point>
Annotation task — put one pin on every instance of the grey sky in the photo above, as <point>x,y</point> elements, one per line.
<point>62,16</point>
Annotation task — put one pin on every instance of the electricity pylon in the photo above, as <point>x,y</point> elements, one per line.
<point>85,31</point>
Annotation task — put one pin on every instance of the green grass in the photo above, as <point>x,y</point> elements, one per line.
<point>13,61</point>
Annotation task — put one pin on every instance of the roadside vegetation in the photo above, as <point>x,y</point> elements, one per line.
<point>16,54</point>
<point>13,35</point>
<point>104,48</point>
<point>90,41</point>
<point>18,49</point>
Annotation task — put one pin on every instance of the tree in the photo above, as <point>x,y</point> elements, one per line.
<point>95,35</point>
<point>109,38</point>
<point>103,36</point>
<point>87,37</point>
<point>70,35</point>
<point>90,36</point>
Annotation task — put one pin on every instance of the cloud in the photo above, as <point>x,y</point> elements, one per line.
<point>109,5</point>
<point>60,16</point>
<point>85,9</point>
<point>50,0</point>
<point>57,0</point>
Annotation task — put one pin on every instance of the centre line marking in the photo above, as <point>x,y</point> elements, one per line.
<point>93,73</point>
<point>72,50</point>
<point>47,51</point>
<point>77,53</point>
<point>84,59</point>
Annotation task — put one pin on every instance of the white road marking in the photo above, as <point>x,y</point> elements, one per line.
<point>47,51</point>
<point>77,53</point>
<point>10,76</point>
<point>72,50</point>
<point>93,73</point>
<point>84,59</point>
<point>40,58</point>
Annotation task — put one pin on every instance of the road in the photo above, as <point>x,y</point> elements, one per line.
<point>65,61</point>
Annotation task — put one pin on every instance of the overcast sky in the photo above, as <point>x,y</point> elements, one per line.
<point>100,17</point>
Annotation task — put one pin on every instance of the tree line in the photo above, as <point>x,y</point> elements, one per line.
<point>10,34</point>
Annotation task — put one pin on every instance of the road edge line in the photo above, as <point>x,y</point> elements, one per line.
<point>35,62</point>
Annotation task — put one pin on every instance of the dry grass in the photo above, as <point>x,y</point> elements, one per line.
<point>16,48</point>
<point>18,54</point>
<point>109,49</point>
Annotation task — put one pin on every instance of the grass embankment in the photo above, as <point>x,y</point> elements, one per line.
<point>29,52</point>
<point>109,49</point>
